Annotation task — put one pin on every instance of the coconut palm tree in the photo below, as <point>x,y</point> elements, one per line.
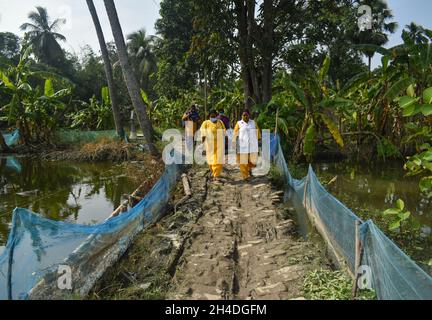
<point>415,32</point>
<point>41,33</point>
<point>129,76</point>
<point>108,70</point>
<point>140,49</point>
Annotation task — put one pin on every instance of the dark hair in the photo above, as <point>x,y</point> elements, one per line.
<point>221,111</point>
<point>246,111</point>
<point>213,111</point>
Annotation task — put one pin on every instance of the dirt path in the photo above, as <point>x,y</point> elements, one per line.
<point>230,240</point>
<point>242,249</point>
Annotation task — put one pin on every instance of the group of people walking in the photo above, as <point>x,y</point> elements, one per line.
<point>214,134</point>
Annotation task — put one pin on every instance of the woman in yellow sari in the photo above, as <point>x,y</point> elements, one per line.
<point>213,135</point>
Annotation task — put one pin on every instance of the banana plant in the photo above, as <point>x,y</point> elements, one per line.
<point>35,111</point>
<point>320,105</point>
<point>412,105</point>
<point>94,115</point>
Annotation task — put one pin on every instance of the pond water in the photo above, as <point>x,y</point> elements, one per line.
<point>71,192</point>
<point>375,188</point>
<point>369,189</point>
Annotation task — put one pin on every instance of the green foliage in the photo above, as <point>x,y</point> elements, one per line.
<point>421,164</point>
<point>397,88</point>
<point>143,59</point>
<point>397,217</point>
<point>94,115</point>
<point>42,34</point>
<point>386,149</point>
<point>9,46</point>
<point>276,177</point>
<point>332,127</point>
<point>34,111</point>
<point>331,285</point>
<point>309,141</point>
<point>412,105</point>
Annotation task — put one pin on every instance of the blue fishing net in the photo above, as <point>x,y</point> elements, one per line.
<point>38,248</point>
<point>394,276</point>
<point>12,139</point>
<point>13,164</point>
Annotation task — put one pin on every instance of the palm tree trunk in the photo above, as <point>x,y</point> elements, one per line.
<point>108,71</point>
<point>129,76</point>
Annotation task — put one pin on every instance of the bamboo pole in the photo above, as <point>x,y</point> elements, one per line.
<point>124,205</point>
<point>358,249</point>
<point>305,192</point>
<point>277,120</point>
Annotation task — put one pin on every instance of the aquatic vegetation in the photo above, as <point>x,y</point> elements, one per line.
<point>332,285</point>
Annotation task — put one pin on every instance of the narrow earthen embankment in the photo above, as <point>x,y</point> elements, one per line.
<point>231,240</point>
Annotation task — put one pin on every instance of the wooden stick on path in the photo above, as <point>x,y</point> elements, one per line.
<point>187,190</point>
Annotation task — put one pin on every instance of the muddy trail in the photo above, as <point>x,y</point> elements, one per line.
<point>232,240</point>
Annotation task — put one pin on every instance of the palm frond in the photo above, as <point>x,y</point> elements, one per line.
<point>26,26</point>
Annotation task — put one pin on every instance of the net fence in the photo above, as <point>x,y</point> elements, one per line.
<point>12,139</point>
<point>394,276</point>
<point>38,248</point>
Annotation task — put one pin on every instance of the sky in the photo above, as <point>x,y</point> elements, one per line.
<point>136,14</point>
<point>405,12</point>
<point>79,30</point>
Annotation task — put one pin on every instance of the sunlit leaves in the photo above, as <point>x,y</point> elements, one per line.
<point>412,106</point>
<point>324,69</point>
<point>426,109</point>
<point>426,184</point>
<point>309,141</point>
<point>49,88</point>
<point>334,130</point>
<point>397,215</point>
<point>5,80</point>
<point>427,96</point>
<point>411,91</point>
<point>397,88</point>
<point>400,204</point>
<point>406,101</point>
<point>106,96</point>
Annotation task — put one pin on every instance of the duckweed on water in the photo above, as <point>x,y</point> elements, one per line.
<point>332,285</point>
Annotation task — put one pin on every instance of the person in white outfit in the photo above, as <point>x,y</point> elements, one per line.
<point>248,134</point>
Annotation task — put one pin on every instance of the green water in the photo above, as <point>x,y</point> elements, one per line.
<point>375,188</point>
<point>62,191</point>
<point>369,189</point>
